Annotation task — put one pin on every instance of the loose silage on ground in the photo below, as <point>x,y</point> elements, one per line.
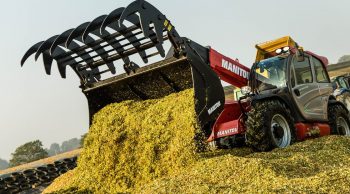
<point>149,147</point>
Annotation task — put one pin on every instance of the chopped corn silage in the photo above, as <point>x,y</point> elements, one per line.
<point>148,147</point>
<point>314,166</point>
<point>134,142</point>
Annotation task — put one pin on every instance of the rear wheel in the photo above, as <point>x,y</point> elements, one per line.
<point>338,120</point>
<point>270,125</point>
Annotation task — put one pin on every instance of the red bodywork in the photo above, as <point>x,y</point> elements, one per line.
<point>229,70</point>
<point>230,122</point>
<point>311,130</point>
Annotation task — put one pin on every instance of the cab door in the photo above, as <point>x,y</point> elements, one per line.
<point>324,84</point>
<point>305,90</point>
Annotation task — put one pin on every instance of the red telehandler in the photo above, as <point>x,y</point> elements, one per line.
<point>286,94</point>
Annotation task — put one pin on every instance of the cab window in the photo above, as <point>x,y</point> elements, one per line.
<point>320,71</point>
<point>303,73</point>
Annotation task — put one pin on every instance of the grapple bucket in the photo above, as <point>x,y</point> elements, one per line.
<point>97,50</point>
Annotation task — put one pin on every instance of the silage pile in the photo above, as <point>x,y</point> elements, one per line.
<point>148,147</point>
<point>315,166</point>
<point>132,143</point>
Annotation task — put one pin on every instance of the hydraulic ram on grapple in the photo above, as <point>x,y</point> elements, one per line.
<point>95,49</point>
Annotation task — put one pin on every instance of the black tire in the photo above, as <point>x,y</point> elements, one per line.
<point>338,120</point>
<point>260,134</point>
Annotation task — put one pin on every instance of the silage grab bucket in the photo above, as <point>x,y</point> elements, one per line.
<point>96,50</point>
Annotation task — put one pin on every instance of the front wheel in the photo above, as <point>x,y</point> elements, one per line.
<point>338,120</point>
<point>270,125</point>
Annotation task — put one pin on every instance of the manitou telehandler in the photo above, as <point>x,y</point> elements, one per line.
<point>287,92</point>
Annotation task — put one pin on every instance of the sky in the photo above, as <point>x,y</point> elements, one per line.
<point>34,105</point>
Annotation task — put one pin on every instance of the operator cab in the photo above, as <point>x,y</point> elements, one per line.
<point>284,71</point>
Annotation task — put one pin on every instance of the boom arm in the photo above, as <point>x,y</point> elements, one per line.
<point>229,70</point>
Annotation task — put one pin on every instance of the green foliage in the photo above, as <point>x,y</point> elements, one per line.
<point>70,145</point>
<point>54,149</point>
<point>344,58</point>
<point>28,152</point>
<point>82,139</point>
<point>3,164</point>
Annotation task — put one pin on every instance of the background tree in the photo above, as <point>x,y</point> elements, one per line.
<point>70,145</point>
<point>3,164</point>
<point>28,152</point>
<point>344,58</point>
<point>54,149</point>
<point>82,139</point>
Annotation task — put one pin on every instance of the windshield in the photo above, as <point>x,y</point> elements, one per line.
<point>270,73</point>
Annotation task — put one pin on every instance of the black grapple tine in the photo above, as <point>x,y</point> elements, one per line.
<point>47,61</point>
<point>31,51</point>
<point>58,52</point>
<point>94,28</point>
<point>112,22</point>
<point>61,66</point>
<point>60,40</point>
<point>46,45</point>
<point>148,14</point>
<point>75,33</point>
<point>111,68</point>
<point>111,18</point>
<point>94,25</point>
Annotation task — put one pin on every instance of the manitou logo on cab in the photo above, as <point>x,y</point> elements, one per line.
<point>235,69</point>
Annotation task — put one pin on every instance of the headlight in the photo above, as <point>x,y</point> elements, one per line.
<point>282,50</point>
<point>278,51</point>
<point>245,90</point>
<point>286,49</point>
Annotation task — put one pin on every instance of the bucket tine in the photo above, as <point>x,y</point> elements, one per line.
<point>76,32</point>
<point>59,51</point>
<point>31,51</point>
<point>148,14</point>
<point>60,40</point>
<point>112,17</point>
<point>130,36</point>
<point>94,25</point>
<point>47,62</point>
<point>46,45</point>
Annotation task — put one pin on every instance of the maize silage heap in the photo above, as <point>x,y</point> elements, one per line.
<point>134,142</point>
<point>149,147</point>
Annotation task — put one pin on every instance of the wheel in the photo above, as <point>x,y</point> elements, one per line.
<point>270,125</point>
<point>338,120</point>
<point>345,99</point>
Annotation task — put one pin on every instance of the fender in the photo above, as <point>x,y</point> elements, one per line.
<point>284,98</point>
<point>332,101</point>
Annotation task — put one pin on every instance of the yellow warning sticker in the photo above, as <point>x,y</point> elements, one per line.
<point>170,27</point>
<point>166,22</point>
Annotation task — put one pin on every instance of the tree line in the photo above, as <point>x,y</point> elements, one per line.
<point>34,150</point>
